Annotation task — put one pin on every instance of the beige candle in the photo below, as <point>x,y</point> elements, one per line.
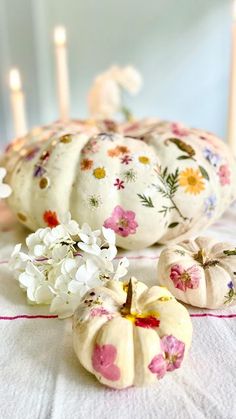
<point>62,72</point>
<point>17,103</point>
<point>232,97</point>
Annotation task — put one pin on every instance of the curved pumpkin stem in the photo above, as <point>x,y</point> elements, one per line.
<point>130,304</point>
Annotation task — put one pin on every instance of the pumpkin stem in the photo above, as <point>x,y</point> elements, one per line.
<point>130,306</point>
<point>200,256</point>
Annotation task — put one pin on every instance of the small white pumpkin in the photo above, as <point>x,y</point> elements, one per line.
<point>200,272</point>
<point>130,334</point>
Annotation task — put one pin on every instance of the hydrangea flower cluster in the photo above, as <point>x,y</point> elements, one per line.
<point>64,262</point>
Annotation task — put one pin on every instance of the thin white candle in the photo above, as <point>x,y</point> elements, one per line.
<point>17,103</point>
<point>62,72</point>
<point>232,97</point>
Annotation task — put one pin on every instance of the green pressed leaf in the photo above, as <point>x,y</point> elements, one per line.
<point>173,225</point>
<point>183,157</point>
<point>230,252</point>
<point>146,200</point>
<point>204,173</point>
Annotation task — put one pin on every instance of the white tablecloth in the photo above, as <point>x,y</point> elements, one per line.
<point>41,377</point>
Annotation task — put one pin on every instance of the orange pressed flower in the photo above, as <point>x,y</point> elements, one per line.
<point>50,218</point>
<point>86,164</point>
<point>117,151</point>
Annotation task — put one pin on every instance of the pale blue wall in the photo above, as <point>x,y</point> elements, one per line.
<point>182,48</point>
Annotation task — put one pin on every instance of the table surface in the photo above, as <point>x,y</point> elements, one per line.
<point>41,377</point>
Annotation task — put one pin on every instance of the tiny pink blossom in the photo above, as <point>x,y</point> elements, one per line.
<point>119,184</point>
<point>174,352</point>
<point>179,130</point>
<point>126,159</point>
<point>185,278</point>
<point>98,312</point>
<point>224,175</point>
<point>158,366</point>
<point>122,222</point>
<point>103,362</point>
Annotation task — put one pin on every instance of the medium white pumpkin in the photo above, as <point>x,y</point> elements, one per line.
<point>150,181</point>
<point>200,272</point>
<point>130,335</point>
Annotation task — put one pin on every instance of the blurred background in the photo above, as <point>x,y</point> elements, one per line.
<point>182,49</point>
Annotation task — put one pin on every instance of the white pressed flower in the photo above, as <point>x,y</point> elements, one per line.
<point>5,190</point>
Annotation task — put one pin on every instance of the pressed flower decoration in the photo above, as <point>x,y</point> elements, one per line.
<point>63,261</point>
<point>5,190</point>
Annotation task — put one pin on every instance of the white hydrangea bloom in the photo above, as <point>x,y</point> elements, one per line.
<point>63,263</point>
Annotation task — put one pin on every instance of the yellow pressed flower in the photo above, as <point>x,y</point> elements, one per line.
<point>192,181</point>
<point>99,173</point>
<point>144,159</point>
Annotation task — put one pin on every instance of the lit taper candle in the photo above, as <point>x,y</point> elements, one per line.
<point>62,72</point>
<point>17,103</point>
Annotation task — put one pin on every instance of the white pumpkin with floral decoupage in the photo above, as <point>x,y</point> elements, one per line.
<point>129,334</point>
<point>200,272</point>
<point>148,180</point>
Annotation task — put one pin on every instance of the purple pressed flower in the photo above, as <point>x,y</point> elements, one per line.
<point>230,285</point>
<point>39,171</point>
<point>212,157</point>
<point>210,205</point>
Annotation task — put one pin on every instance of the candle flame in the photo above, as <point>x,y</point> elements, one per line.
<point>15,79</point>
<point>60,35</point>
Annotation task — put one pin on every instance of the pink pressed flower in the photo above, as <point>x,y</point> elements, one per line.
<point>171,360</point>
<point>98,312</point>
<point>126,159</point>
<point>158,366</point>
<point>119,184</point>
<point>174,352</point>
<point>122,222</point>
<point>103,362</point>
<point>179,130</point>
<point>185,278</point>
<point>224,175</point>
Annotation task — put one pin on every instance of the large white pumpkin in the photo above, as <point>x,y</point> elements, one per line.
<point>131,335</point>
<point>150,181</point>
<point>200,272</point>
